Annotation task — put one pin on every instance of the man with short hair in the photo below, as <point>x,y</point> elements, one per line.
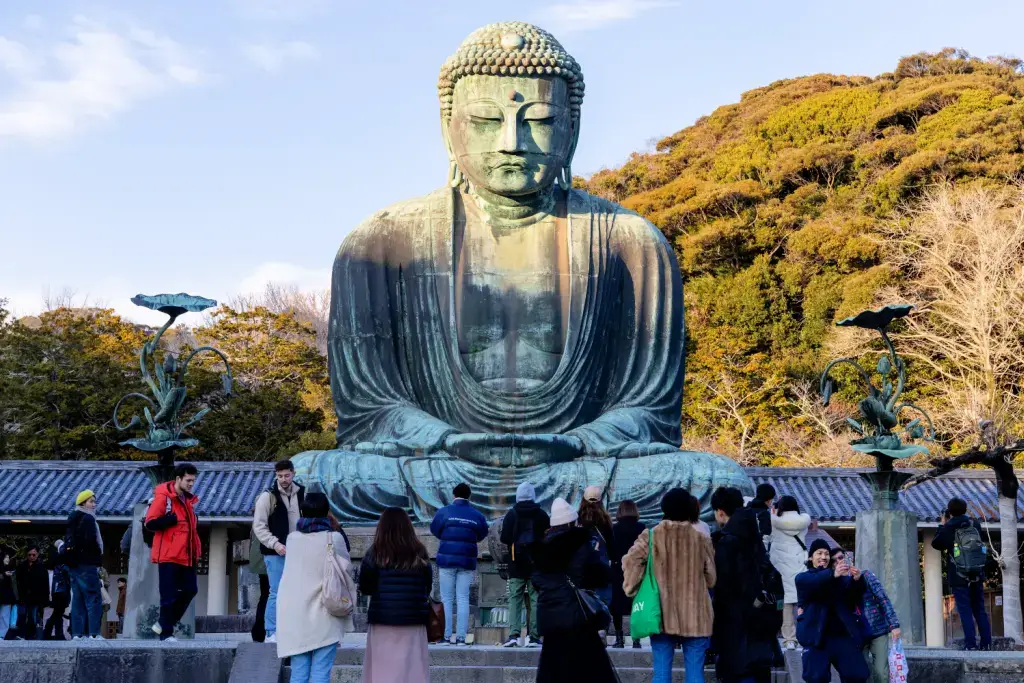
<point>460,527</point>
<point>746,650</point>
<point>762,504</point>
<point>276,514</point>
<point>959,537</point>
<point>176,549</point>
<point>122,601</point>
<point>33,586</point>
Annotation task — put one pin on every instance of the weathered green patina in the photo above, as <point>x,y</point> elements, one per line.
<point>165,431</point>
<point>881,408</point>
<point>507,328</point>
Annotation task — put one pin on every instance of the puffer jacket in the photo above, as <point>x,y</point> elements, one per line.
<point>175,539</point>
<point>460,527</point>
<point>398,597</point>
<point>789,549</point>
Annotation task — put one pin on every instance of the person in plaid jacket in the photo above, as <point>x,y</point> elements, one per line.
<point>880,621</point>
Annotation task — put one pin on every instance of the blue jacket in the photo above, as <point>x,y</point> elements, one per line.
<point>818,592</point>
<point>879,616</point>
<point>460,526</point>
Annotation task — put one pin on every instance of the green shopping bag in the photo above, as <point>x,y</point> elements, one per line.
<point>645,620</point>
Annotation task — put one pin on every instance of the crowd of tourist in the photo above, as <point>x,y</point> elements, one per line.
<point>738,596</point>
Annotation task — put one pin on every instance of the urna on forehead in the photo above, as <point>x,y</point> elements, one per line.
<point>510,49</point>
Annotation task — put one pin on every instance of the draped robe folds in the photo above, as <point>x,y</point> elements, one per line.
<point>400,386</point>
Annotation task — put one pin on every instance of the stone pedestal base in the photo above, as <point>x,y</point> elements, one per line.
<point>142,608</point>
<point>887,545</point>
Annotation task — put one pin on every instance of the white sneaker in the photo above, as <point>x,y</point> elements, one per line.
<point>790,646</point>
<point>77,638</point>
<point>272,638</point>
<point>172,639</point>
<point>158,629</point>
<point>511,642</point>
<point>98,638</point>
<point>533,642</point>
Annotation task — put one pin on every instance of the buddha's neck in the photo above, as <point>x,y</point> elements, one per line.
<point>513,212</point>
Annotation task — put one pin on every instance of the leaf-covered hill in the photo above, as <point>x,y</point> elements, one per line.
<point>774,206</point>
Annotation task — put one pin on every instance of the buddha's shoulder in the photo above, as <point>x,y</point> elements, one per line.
<point>397,223</point>
<point>629,226</point>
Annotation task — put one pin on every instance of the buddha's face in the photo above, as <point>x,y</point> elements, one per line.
<point>511,135</point>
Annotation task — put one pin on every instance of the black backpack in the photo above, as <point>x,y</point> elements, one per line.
<point>770,602</point>
<point>969,554</point>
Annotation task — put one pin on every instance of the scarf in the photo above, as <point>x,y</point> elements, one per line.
<point>312,525</point>
<point>95,525</point>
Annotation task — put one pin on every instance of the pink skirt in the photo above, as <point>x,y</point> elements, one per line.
<point>396,654</point>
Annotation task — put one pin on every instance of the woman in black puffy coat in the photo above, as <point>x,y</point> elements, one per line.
<point>396,574</point>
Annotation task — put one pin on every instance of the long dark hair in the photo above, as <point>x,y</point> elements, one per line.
<point>395,545</point>
<point>594,516</point>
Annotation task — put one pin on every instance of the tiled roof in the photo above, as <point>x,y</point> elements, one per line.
<point>835,495</point>
<point>228,490</point>
<point>38,488</point>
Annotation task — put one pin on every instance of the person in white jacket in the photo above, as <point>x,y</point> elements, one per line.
<point>306,630</point>
<point>789,555</point>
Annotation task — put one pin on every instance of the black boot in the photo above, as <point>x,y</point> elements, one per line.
<point>636,644</point>
<point>620,641</point>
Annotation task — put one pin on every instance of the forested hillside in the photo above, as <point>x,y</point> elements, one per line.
<point>776,205</point>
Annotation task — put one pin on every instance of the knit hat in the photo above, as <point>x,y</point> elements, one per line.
<point>819,544</point>
<point>526,492</point>
<point>592,493</point>
<point>84,496</point>
<point>562,513</point>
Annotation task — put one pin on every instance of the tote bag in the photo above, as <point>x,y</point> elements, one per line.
<point>339,590</point>
<point>645,620</point>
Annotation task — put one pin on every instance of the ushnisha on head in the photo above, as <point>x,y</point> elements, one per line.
<point>510,110</point>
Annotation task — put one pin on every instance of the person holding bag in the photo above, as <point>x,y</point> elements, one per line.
<point>670,571</point>
<point>310,625</point>
<point>566,570</point>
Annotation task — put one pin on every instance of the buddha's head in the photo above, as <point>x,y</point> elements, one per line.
<point>510,110</point>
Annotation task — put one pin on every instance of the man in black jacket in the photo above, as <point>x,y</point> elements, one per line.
<point>968,592</point>
<point>524,525</point>
<point>33,594</point>
<point>764,499</point>
<point>745,651</point>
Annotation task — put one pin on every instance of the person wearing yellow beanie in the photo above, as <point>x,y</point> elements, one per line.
<point>84,557</point>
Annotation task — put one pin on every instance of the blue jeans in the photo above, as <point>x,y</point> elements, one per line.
<point>6,611</point>
<point>663,647</point>
<point>86,600</point>
<point>314,666</point>
<point>970,605</point>
<point>455,588</point>
<point>275,570</point>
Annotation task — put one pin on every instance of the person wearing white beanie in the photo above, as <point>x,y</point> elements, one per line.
<point>566,561</point>
<point>522,528</point>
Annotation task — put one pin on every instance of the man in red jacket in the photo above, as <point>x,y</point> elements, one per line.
<point>176,550</point>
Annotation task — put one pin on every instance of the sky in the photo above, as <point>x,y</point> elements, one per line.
<point>212,146</point>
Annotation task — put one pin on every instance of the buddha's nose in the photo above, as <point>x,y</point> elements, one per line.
<point>510,136</point>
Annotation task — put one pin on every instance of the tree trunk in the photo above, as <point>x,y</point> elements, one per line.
<point>1011,568</point>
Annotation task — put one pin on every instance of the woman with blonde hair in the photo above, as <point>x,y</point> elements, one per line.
<point>396,574</point>
<point>596,520</point>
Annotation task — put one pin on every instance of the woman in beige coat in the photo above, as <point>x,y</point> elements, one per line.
<point>684,567</point>
<point>306,631</point>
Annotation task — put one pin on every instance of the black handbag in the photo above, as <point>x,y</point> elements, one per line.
<point>595,612</point>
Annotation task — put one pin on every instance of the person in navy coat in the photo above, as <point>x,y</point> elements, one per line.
<point>828,627</point>
<point>460,527</point>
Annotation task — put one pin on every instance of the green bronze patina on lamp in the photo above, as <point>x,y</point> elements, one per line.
<point>881,408</point>
<point>165,430</point>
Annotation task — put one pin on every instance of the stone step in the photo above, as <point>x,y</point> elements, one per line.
<point>480,656</point>
<point>350,673</point>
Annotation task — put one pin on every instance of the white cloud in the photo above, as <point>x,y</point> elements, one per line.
<point>34,22</point>
<point>587,15</point>
<point>273,58</point>
<point>306,279</point>
<point>95,74</point>
<point>279,10</point>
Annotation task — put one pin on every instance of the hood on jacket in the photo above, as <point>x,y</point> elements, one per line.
<point>559,546</point>
<point>791,523</point>
<point>168,487</point>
